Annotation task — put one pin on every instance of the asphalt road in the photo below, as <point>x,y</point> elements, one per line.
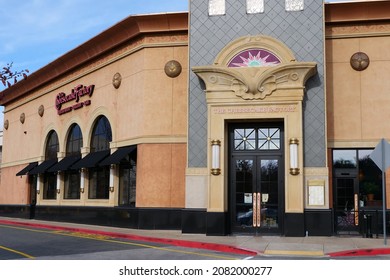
<point>20,242</point>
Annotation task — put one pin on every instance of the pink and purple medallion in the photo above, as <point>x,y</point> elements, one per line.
<point>254,58</point>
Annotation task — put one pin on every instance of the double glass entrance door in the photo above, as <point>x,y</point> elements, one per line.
<point>256,188</point>
<point>256,178</point>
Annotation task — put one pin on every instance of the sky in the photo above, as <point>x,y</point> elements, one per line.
<point>35,32</point>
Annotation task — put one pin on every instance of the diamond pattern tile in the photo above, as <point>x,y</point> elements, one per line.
<point>301,31</point>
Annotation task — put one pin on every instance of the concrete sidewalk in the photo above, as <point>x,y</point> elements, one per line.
<point>313,246</point>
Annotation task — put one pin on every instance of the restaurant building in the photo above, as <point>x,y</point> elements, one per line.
<point>240,117</point>
<point>99,135</point>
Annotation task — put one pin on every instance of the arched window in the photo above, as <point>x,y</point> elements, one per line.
<point>74,144</point>
<point>52,146</point>
<point>50,178</point>
<point>101,135</point>
<point>99,176</point>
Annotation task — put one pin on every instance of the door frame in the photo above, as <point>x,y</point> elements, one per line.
<point>346,217</point>
<point>256,156</point>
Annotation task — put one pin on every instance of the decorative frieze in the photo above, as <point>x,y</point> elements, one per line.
<point>361,30</point>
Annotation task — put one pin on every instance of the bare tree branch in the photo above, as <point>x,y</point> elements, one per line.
<point>7,75</point>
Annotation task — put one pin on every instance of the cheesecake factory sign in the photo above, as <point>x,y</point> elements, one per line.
<point>77,93</point>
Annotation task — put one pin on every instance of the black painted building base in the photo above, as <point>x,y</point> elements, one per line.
<point>319,222</point>
<point>193,221</point>
<point>198,221</point>
<point>138,218</point>
<point>15,211</point>
<point>294,224</point>
<point>216,223</point>
<point>201,221</point>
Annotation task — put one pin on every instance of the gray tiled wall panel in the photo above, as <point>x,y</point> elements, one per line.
<point>301,31</point>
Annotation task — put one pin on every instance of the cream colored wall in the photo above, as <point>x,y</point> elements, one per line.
<point>148,107</point>
<point>357,102</point>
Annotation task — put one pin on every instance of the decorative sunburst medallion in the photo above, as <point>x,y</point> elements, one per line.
<point>254,58</point>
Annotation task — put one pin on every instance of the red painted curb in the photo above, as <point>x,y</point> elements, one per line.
<point>361,252</point>
<point>168,241</point>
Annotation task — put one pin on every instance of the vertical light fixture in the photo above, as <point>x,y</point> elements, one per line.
<point>38,184</point>
<point>215,157</point>
<point>112,169</point>
<point>82,179</point>
<point>58,181</point>
<point>294,170</point>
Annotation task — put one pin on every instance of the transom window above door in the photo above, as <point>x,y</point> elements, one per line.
<point>249,139</point>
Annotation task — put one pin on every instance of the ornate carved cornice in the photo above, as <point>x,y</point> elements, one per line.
<point>251,83</point>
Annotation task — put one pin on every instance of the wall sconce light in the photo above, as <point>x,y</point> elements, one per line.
<point>58,181</point>
<point>294,170</point>
<point>38,184</point>
<point>82,179</point>
<point>112,170</point>
<point>215,157</point>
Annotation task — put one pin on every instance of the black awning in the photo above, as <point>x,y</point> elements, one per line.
<point>64,164</point>
<point>25,170</point>
<point>118,155</point>
<point>43,167</point>
<point>91,160</point>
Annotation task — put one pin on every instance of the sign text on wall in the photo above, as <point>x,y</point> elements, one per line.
<point>255,110</point>
<point>78,92</point>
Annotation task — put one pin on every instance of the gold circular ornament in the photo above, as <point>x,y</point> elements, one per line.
<point>22,118</point>
<point>359,61</point>
<point>41,110</point>
<point>6,124</point>
<point>172,68</point>
<point>117,80</point>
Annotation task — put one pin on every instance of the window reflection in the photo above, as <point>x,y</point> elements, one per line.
<point>72,178</point>
<point>50,179</point>
<point>127,181</point>
<point>344,159</point>
<point>368,175</point>
<point>99,177</point>
<point>370,179</point>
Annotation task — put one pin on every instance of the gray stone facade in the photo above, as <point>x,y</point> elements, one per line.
<point>301,31</point>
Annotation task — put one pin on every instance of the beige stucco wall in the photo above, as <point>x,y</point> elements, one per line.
<point>148,108</point>
<point>357,102</point>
